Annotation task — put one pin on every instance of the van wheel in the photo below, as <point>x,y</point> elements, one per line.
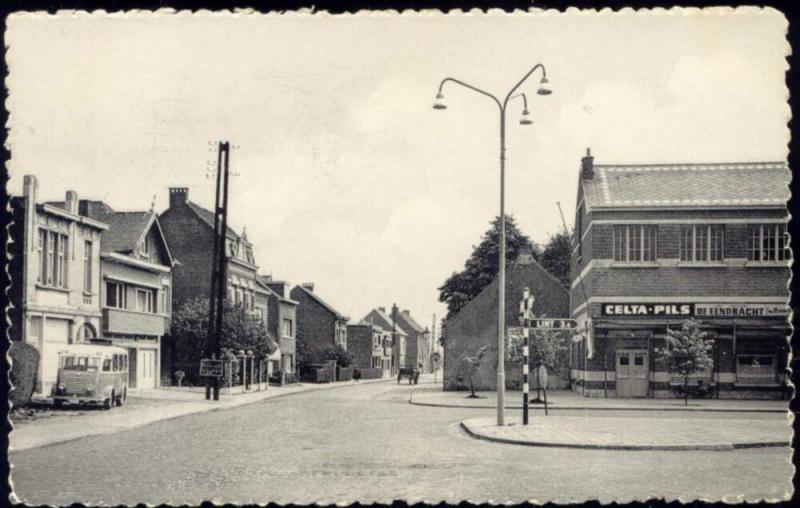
<point>58,404</point>
<point>107,403</point>
<point>118,401</point>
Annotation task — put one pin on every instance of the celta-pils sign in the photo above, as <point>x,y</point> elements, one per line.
<point>647,309</point>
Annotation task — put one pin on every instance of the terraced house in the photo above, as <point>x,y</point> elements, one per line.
<point>655,244</point>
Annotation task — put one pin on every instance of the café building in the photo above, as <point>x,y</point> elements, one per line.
<point>658,244</point>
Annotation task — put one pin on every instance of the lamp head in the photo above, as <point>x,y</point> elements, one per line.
<point>544,87</point>
<point>439,103</point>
<point>526,118</point>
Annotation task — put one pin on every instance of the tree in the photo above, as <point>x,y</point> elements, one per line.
<point>467,368</point>
<point>240,331</point>
<point>547,347</point>
<point>688,352</point>
<point>481,267</point>
<point>556,257</point>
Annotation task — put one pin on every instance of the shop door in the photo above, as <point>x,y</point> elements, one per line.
<point>145,369</point>
<point>632,373</point>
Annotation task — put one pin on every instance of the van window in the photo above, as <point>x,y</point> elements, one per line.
<point>124,362</point>
<point>78,363</point>
<point>107,365</point>
<point>116,362</point>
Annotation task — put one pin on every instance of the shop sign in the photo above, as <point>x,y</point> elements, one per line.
<point>647,309</point>
<point>706,310</point>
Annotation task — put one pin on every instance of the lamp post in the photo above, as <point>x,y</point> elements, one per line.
<point>544,89</point>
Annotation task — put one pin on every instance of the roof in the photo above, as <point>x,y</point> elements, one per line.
<point>410,322</point>
<point>207,216</point>
<point>324,304</point>
<point>387,321</point>
<point>125,229</point>
<point>264,282</point>
<point>688,185</point>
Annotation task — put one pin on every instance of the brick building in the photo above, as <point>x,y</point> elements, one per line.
<point>395,340</point>
<point>318,324</point>
<point>282,321</point>
<point>365,345</point>
<point>188,229</point>
<point>475,325</point>
<point>417,342</point>
<point>55,266</point>
<point>135,290</point>
<point>656,244</point>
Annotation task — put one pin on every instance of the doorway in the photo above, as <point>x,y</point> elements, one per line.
<point>632,373</point>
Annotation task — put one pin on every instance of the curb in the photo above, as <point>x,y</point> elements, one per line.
<point>553,407</point>
<point>664,448</point>
<point>206,409</point>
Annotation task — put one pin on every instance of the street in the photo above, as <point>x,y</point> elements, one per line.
<point>367,443</point>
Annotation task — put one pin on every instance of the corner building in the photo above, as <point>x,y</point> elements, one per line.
<point>655,245</point>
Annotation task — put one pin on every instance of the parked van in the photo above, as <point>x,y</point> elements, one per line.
<point>91,374</point>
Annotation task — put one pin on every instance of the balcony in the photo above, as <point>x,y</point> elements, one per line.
<point>133,323</point>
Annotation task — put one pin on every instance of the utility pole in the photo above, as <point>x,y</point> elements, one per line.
<point>218,267</point>
<point>394,338</point>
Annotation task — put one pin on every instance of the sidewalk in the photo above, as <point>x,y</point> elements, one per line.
<point>619,433</point>
<point>568,400</point>
<point>143,408</point>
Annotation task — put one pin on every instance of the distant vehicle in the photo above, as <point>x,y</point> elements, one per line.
<point>91,374</point>
<point>408,372</point>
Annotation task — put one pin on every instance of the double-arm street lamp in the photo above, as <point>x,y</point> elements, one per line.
<point>544,89</point>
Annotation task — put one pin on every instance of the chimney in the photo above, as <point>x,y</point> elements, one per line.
<point>178,196</point>
<point>309,286</point>
<point>382,309</point>
<point>30,188</point>
<point>525,256</point>
<point>71,202</point>
<point>587,165</point>
<point>407,312</point>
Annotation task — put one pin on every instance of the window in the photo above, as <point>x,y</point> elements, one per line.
<point>768,242</point>
<point>87,266</point>
<point>579,231</point>
<point>53,259</point>
<point>107,365</point>
<point>287,327</point>
<point>115,362</point>
<point>145,300</point>
<point>115,295</point>
<point>144,247</point>
<point>165,299</point>
<point>60,276</point>
<point>42,248</point>
<point>755,367</point>
<point>702,243</point>
<point>246,299</point>
<point>635,243</point>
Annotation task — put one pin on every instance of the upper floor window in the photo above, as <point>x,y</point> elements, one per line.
<point>287,327</point>
<point>145,301</point>
<point>635,242</point>
<point>165,300</point>
<point>768,242</point>
<point>702,242</point>
<point>579,231</point>
<point>53,259</point>
<point>116,295</point>
<point>87,266</point>
<point>144,247</point>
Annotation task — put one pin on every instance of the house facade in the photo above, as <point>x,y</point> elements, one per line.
<point>282,321</point>
<point>55,266</point>
<point>365,345</point>
<point>188,229</point>
<point>135,288</point>
<point>418,338</point>
<point>318,323</point>
<point>395,340</point>
<point>655,245</point>
<point>475,325</point>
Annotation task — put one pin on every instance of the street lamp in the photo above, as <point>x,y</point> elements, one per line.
<point>543,89</point>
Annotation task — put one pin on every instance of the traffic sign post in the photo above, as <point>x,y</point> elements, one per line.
<point>525,315</point>
<point>554,323</point>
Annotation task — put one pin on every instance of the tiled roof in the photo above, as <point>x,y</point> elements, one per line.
<point>325,304</point>
<point>387,321</point>
<point>207,216</point>
<point>410,322</point>
<point>688,185</point>
<point>124,230</point>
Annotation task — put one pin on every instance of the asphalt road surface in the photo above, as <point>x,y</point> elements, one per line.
<point>366,443</point>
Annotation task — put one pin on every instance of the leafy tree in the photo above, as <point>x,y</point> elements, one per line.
<point>547,347</point>
<point>556,257</point>
<point>481,267</point>
<point>467,368</point>
<point>240,331</point>
<point>688,351</point>
<point>338,353</point>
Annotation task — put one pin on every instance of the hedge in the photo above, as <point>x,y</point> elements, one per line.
<point>24,371</point>
<point>344,373</point>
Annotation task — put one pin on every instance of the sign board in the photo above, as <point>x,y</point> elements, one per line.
<point>436,357</point>
<point>563,323</point>
<point>647,309</point>
<point>710,310</point>
<point>211,368</point>
<point>542,376</point>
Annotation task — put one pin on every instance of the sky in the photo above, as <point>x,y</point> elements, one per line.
<point>346,177</point>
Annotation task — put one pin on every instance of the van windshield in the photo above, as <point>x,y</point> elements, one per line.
<point>78,363</point>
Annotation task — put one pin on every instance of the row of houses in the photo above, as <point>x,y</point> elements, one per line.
<point>655,245</point>
<point>82,269</point>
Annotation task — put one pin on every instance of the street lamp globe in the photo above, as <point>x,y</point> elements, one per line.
<point>439,103</point>
<point>526,118</point>
<point>544,87</point>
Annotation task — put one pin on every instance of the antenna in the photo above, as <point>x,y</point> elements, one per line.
<point>153,204</point>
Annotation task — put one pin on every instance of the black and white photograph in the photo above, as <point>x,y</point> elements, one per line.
<point>491,256</point>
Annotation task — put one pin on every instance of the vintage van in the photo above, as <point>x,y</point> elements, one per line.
<point>91,374</point>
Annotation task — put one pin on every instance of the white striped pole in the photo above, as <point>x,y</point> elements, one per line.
<point>525,354</point>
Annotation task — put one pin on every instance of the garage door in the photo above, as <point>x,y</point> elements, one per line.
<point>145,368</point>
<point>55,337</point>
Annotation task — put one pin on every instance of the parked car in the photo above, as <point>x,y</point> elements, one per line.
<point>91,374</point>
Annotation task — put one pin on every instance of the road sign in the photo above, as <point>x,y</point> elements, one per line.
<point>562,323</point>
<point>526,305</point>
<point>436,357</point>
<point>211,368</point>
<point>542,376</point>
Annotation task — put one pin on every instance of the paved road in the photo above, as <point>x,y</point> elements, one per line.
<point>367,443</point>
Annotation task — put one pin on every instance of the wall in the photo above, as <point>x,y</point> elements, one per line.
<point>359,345</point>
<point>315,324</point>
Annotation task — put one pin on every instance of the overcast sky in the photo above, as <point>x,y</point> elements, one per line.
<point>348,178</point>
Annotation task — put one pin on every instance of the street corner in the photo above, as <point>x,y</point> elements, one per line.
<point>628,433</point>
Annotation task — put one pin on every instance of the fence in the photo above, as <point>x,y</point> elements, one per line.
<point>375,373</point>
<point>344,373</point>
<point>238,374</point>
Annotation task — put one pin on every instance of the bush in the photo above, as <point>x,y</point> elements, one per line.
<point>24,371</point>
<point>344,373</point>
